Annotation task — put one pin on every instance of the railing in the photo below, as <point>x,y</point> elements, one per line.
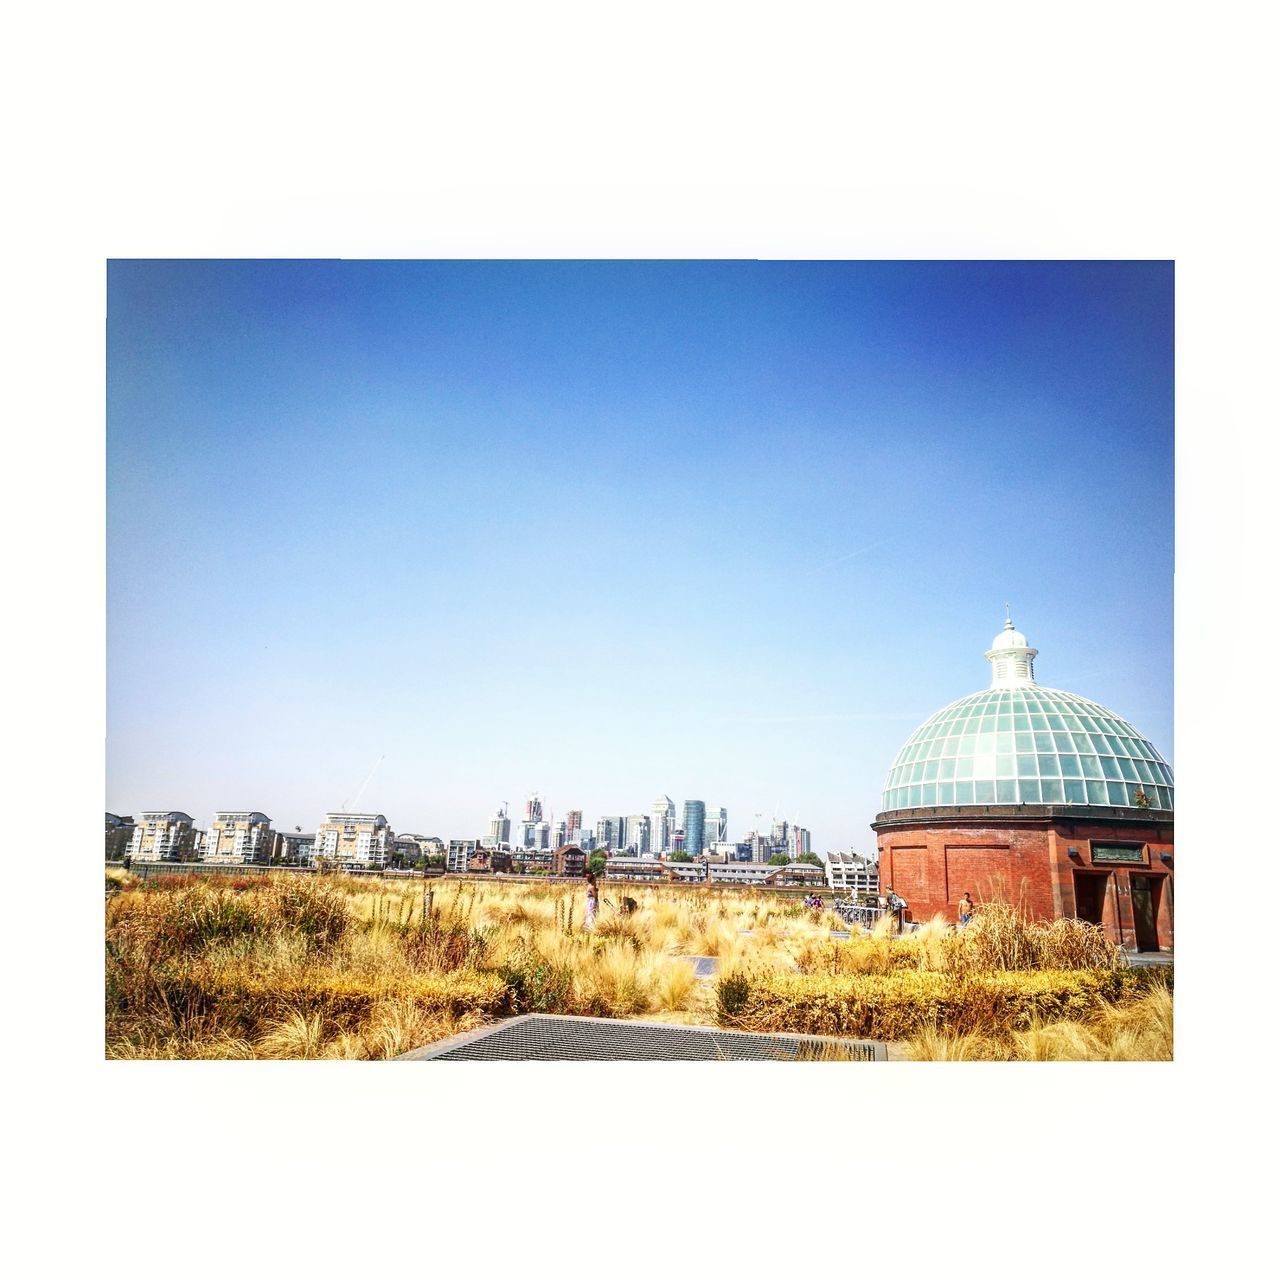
<point>858,913</point>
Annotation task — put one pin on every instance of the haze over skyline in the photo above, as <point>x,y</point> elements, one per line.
<point>721,531</point>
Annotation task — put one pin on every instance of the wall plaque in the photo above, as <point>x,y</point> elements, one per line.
<point>1131,853</point>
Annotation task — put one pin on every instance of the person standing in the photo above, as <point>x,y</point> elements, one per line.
<point>965,907</point>
<point>593,900</point>
<point>897,906</point>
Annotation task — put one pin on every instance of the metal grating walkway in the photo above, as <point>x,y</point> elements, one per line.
<point>542,1037</point>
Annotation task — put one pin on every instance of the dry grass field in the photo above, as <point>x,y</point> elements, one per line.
<point>335,967</point>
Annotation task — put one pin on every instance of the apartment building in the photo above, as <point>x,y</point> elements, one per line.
<point>428,846</point>
<point>354,839</point>
<point>162,835</point>
<point>239,836</point>
<point>293,848</point>
<point>461,854</point>
<point>852,873</point>
<point>568,860</point>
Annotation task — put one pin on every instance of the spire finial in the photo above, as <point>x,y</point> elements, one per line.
<point>1008,618</point>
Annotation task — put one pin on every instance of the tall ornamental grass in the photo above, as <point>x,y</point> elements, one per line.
<point>335,966</point>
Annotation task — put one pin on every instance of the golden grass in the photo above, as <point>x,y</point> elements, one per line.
<point>339,967</point>
<point>906,1002</point>
<point>1138,1031</point>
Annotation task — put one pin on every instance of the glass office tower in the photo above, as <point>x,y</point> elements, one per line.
<point>695,817</point>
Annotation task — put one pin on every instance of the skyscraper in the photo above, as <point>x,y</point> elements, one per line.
<point>529,838</point>
<point>637,833</point>
<point>717,826</point>
<point>573,825</point>
<point>695,817</point>
<point>662,824</point>
<point>499,828</point>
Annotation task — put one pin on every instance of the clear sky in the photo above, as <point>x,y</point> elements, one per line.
<point>726,531</point>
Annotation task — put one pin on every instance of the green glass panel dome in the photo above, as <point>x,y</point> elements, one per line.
<point>1018,743</point>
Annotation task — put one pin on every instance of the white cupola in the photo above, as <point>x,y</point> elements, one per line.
<point>1011,658</point>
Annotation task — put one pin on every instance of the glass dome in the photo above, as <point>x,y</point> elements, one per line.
<point>1018,743</point>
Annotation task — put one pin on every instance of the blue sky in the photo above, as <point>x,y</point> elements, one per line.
<point>723,530</point>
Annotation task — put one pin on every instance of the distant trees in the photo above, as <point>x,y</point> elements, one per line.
<point>679,855</point>
<point>597,863</point>
<point>785,859</point>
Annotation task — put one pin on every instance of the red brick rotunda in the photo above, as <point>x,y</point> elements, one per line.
<point>1037,795</point>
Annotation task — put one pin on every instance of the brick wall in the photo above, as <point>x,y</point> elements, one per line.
<point>932,864</point>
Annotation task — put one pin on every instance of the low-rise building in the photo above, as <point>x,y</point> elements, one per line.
<point>359,840</point>
<point>623,868</point>
<point>800,874</point>
<point>163,835</point>
<point>239,836</point>
<point>695,871</point>
<point>119,833</point>
<point>532,861</point>
<point>757,873</point>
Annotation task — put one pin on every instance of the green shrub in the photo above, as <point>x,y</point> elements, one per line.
<point>537,985</point>
<point>732,993</point>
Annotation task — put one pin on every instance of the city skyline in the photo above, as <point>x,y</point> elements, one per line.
<point>321,473</point>
<point>500,828</point>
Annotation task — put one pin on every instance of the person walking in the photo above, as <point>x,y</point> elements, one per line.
<point>965,907</point>
<point>593,900</point>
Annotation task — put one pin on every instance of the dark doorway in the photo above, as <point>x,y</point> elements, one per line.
<point>1091,890</point>
<point>1146,901</point>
